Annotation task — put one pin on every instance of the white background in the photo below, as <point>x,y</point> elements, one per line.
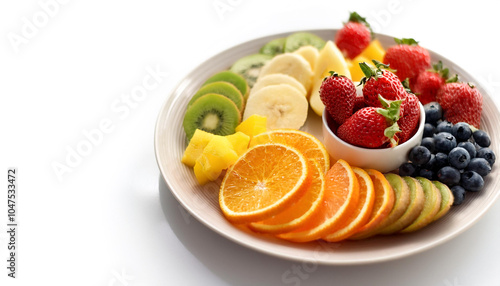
<point>105,220</point>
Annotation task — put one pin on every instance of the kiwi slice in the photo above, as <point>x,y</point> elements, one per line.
<point>213,113</point>
<point>249,67</point>
<point>223,88</point>
<point>274,47</point>
<point>233,78</point>
<point>297,40</point>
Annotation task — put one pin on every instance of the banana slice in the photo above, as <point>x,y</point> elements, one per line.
<point>277,78</point>
<point>291,64</point>
<point>309,53</point>
<point>330,59</point>
<point>283,105</point>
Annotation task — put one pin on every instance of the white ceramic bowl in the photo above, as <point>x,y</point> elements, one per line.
<point>383,160</point>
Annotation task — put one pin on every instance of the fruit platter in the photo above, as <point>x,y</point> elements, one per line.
<point>206,195</point>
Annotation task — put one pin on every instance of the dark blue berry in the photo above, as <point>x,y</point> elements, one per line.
<point>408,169</point>
<point>419,155</point>
<point>444,126</point>
<point>469,146</point>
<point>428,142</point>
<point>426,173</point>
<point>458,195</point>
<point>429,130</point>
<point>461,131</point>
<point>481,138</point>
<point>449,176</point>
<point>480,166</point>
<point>487,154</point>
<point>444,142</point>
<point>433,112</point>
<point>430,164</point>
<point>471,181</point>
<point>440,160</point>
<point>459,158</point>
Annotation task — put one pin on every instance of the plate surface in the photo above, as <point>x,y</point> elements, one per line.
<point>202,201</point>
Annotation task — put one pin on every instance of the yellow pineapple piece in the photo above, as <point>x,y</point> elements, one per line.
<point>198,142</point>
<point>253,125</point>
<point>240,141</point>
<point>217,156</point>
<point>200,175</point>
<point>356,72</point>
<point>374,51</point>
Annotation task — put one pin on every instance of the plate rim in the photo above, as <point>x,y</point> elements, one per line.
<point>171,98</point>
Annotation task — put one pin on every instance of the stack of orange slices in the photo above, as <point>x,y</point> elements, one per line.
<point>284,186</point>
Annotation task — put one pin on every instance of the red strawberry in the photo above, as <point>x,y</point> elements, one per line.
<point>338,94</point>
<point>428,83</point>
<point>372,127</point>
<point>359,102</point>
<point>407,58</point>
<point>461,102</point>
<point>408,123</point>
<point>354,36</point>
<point>380,82</point>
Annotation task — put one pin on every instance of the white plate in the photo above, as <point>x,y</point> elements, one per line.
<point>202,202</point>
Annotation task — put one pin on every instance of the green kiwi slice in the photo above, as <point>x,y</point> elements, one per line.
<point>446,199</point>
<point>297,40</point>
<point>274,47</point>
<point>249,67</point>
<point>223,88</point>
<point>233,78</point>
<point>213,113</point>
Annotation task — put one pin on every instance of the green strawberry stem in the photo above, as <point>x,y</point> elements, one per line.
<point>439,68</point>
<point>453,79</point>
<point>355,17</point>
<point>374,72</point>
<point>391,111</point>
<point>406,41</point>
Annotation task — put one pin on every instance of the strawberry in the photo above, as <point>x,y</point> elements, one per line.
<point>461,102</point>
<point>372,127</point>
<point>407,58</point>
<point>380,82</point>
<point>428,83</point>
<point>408,123</point>
<point>359,102</point>
<point>354,36</point>
<point>338,94</point>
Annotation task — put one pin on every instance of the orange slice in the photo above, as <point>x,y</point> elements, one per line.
<point>341,198</point>
<point>309,145</point>
<point>263,182</point>
<point>384,201</point>
<point>300,212</point>
<point>363,210</point>
<point>416,205</point>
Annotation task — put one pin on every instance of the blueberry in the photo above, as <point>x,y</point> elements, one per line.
<point>480,166</point>
<point>487,154</point>
<point>444,126</point>
<point>419,155</point>
<point>431,163</point>
<point>444,142</point>
<point>440,160</point>
<point>459,158</point>
<point>449,176</point>
<point>469,146</point>
<point>471,181</point>
<point>433,112</point>
<point>481,138</point>
<point>461,131</point>
<point>426,173</point>
<point>458,195</point>
<point>408,169</point>
<point>429,130</point>
<point>428,142</point>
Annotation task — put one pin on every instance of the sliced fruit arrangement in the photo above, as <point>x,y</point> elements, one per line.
<point>242,129</point>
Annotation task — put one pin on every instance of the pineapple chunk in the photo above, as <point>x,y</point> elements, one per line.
<point>198,142</point>
<point>240,141</point>
<point>200,175</point>
<point>253,125</point>
<point>217,156</point>
<point>356,72</point>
